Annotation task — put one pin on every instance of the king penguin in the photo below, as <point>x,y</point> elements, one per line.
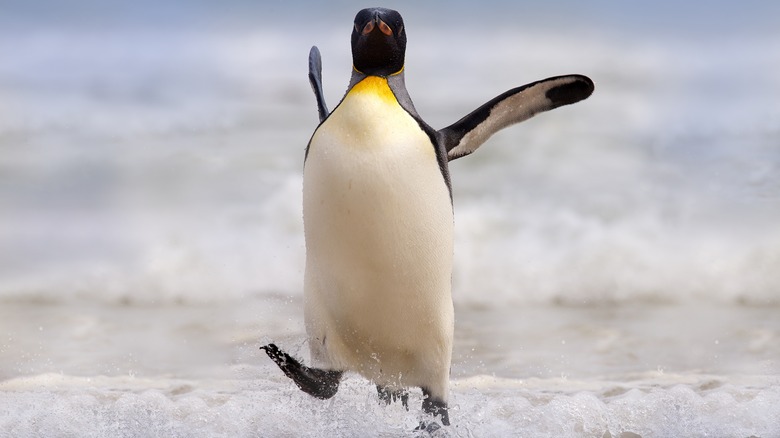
<point>378,221</point>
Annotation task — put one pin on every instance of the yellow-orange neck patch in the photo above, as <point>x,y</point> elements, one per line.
<point>374,85</point>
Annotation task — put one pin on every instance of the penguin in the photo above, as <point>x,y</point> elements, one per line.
<point>378,221</point>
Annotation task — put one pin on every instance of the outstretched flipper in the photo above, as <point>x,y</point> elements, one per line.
<point>516,105</point>
<point>315,78</point>
<point>322,384</point>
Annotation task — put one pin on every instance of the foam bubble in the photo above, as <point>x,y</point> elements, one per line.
<point>480,406</point>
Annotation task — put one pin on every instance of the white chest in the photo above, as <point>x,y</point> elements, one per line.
<point>373,190</point>
<point>378,223</point>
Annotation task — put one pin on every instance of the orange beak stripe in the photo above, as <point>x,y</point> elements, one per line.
<point>385,28</point>
<point>369,27</point>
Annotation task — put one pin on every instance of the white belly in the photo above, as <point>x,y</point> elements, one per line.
<point>379,231</point>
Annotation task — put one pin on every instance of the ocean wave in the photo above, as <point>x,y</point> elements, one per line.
<point>165,167</point>
<point>126,406</point>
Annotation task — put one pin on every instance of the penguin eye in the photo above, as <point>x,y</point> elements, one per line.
<point>356,28</point>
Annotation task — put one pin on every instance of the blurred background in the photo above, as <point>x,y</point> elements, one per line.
<point>617,262</point>
<point>152,151</point>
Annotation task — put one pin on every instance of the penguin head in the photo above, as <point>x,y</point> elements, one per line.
<point>378,42</point>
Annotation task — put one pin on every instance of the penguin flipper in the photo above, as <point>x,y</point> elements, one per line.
<point>516,105</point>
<point>315,79</point>
<point>322,384</point>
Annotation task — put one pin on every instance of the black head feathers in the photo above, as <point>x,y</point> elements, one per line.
<point>378,42</point>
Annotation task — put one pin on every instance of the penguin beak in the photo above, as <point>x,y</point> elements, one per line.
<point>374,24</point>
<point>368,28</point>
<point>383,27</point>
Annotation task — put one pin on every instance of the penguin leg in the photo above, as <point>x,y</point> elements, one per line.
<point>434,407</point>
<point>319,383</point>
<point>388,395</point>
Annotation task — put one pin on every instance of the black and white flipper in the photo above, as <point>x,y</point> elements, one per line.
<point>315,78</point>
<point>516,105</point>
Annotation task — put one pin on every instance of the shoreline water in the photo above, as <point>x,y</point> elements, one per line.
<point>615,261</point>
<point>517,342</point>
<point>187,370</point>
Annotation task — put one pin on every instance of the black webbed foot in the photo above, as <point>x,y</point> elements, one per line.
<point>388,395</point>
<point>322,384</point>
<point>435,407</point>
<point>431,430</point>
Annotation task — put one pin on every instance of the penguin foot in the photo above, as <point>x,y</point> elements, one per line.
<point>322,384</point>
<point>388,395</point>
<point>435,407</point>
<point>430,430</point>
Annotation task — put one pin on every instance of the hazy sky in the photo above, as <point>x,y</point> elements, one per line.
<point>712,18</point>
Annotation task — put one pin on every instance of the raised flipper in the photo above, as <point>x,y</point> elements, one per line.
<point>322,384</point>
<point>516,105</point>
<point>315,78</point>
